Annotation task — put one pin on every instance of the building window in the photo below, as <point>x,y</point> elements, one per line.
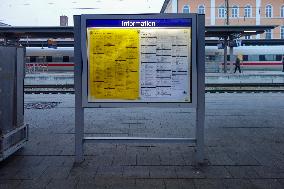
<point>248,11</point>
<point>268,34</point>
<point>282,32</point>
<point>282,11</point>
<point>221,11</point>
<point>201,9</point>
<point>185,9</point>
<point>235,11</point>
<point>268,11</point>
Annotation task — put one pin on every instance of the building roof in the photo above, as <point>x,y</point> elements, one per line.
<point>236,30</point>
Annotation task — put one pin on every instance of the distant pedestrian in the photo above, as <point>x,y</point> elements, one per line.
<point>238,65</point>
<point>283,63</point>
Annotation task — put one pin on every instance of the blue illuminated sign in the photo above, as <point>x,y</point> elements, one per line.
<point>179,22</point>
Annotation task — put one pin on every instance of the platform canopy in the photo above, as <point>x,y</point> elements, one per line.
<point>236,30</point>
<point>67,31</point>
<point>10,32</point>
<point>36,32</point>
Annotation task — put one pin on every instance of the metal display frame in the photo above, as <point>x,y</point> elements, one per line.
<point>197,84</point>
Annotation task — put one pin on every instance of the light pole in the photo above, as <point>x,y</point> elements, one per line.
<point>227,12</point>
<point>226,37</point>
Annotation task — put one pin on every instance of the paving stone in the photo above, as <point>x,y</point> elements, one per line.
<point>179,183</point>
<point>30,172</point>
<point>136,171</point>
<point>266,183</point>
<point>110,171</point>
<point>188,172</point>
<point>243,171</point>
<point>167,172</point>
<point>242,158</point>
<point>56,172</point>
<point>209,183</point>
<point>35,183</point>
<point>148,158</point>
<point>9,184</point>
<point>269,172</point>
<point>238,184</point>
<point>150,183</point>
<point>62,184</point>
<point>217,156</point>
<point>281,181</point>
<point>114,182</point>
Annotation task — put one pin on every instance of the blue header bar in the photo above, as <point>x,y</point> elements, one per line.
<point>178,22</point>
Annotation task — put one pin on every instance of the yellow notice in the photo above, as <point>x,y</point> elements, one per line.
<point>113,64</point>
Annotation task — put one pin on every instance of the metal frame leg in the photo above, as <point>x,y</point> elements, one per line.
<point>79,110</point>
<point>200,110</point>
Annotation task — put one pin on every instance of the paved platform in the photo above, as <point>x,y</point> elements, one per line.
<point>244,146</point>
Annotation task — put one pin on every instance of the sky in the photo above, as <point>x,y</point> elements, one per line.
<point>47,12</point>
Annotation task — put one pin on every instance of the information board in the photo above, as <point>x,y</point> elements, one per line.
<point>145,60</point>
<point>139,60</point>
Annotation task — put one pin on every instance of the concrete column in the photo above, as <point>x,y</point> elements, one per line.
<point>212,12</point>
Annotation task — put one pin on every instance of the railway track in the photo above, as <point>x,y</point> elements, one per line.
<point>210,88</point>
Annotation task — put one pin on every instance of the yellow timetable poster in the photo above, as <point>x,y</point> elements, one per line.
<point>113,63</point>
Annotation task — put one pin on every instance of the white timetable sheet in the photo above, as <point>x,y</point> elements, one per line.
<point>165,64</point>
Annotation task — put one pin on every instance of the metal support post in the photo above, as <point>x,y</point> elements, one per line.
<point>200,110</point>
<point>227,12</point>
<point>79,110</point>
<point>231,59</point>
<point>225,54</point>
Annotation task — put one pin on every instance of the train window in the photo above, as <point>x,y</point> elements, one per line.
<point>245,57</point>
<point>40,59</point>
<point>270,57</point>
<point>65,58</point>
<point>32,58</point>
<point>27,59</point>
<point>278,57</point>
<point>57,58</point>
<point>228,57</point>
<point>71,59</point>
<point>210,58</point>
<point>48,58</point>
<point>261,57</point>
<point>253,58</point>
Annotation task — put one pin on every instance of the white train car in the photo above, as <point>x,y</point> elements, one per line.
<point>48,59</point>
<point>252,57</point>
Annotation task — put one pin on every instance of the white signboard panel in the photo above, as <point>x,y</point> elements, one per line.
<point>165,69</point>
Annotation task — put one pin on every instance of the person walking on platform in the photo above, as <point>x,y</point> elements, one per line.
<point>238,65</point>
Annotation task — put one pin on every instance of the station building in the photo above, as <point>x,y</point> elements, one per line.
<point>241,12</point>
